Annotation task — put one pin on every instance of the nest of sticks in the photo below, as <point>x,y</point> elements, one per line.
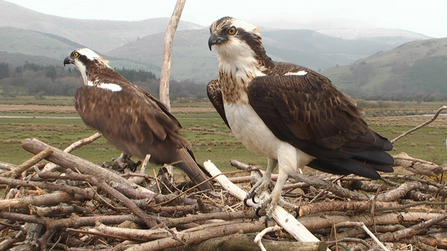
<point>57,201</point>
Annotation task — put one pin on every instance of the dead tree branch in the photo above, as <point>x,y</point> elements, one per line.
<point>435,116</point>
<point>167,53</point>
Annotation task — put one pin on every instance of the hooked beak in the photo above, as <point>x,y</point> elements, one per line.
<point>68,60</point>
<point>214,39</point>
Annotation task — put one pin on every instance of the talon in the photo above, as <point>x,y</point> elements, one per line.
<point>297,211</point>
<point>257,211</point>
<point>245,202</point>
<point>266,222</point>
<point>253,198</point>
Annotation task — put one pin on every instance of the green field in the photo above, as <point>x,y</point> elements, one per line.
<point>209,136</point>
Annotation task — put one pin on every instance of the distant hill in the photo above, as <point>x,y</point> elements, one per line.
<point>18,46</point>
<point>193,60</point>
<point>139,45</point>
<point>34,43</point>
<point>412,69</point>
<point>100,35</point>
<point>344,28</point>
<point>18,59</point>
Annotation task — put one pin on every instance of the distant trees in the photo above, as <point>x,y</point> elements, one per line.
<point>4,70</point>
<point>430,74</point>
<point>39,80</point>
<point>359,73</point>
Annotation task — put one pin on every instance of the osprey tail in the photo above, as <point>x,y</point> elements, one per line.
<point>194,171</point>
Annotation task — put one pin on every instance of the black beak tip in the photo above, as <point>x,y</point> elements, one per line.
<point>67,60</point>
<point>210,44</point>
<point>214,39</point>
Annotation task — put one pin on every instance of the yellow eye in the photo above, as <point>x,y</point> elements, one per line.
<point>232,31</point>
<point>76,54</point>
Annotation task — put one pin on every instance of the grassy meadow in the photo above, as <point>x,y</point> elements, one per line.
<point>54,121</point>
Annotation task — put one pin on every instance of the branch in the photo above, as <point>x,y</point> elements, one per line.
<point>258,238</point>
<point>362,225</point>
<point>413,230</point>
<point>74,146</point>
<point>198,236</point>
<point>417,166</point>
<point>400,191</point>
<point>329,186</point>
<point>167,53</point>
<point>342,206</point>
<point>281,216</point>
<point>86,167</point>
<point>38,200</point>
<point>442,108</point>
<point>16,172</point>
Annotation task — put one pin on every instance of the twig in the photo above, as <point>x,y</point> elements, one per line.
<point>74,146</point>
<point>281,216</point>
<point>435,116</point>
<point>113,192</point>
<point>199,236</point>
<point>417,166</point>
<point>86,167</point>
<point>413,230</point>
<point>145,163</point>
<point>329,186</point>
<point>362,225</point>
<point>38,200</point>
<point>258,238</point>
<point>400,191</point>
<point>16,172</point>
<point>86,193</point>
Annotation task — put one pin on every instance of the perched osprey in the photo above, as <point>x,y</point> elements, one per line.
<point>289,113</point>
<point>129,117</point>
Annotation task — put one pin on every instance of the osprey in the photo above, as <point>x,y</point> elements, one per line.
<point>129,117</point>
<point>289,113</point>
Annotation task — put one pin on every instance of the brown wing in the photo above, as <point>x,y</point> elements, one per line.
<point>311,114</point>
<point>138,124</point>
<point>132,121</point>
<point>215,96</point>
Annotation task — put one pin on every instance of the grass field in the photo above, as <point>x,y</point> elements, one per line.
<point>202,126</point>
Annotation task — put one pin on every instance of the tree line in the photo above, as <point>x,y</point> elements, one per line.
<point>40,80</point>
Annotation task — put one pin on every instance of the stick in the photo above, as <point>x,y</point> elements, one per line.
<point>167,53</point>
<point>86,167</point>
<point>442,108</point>
<point>362,225</point>
<point>281,216</point>
<point>198,236</point>
<point>75,146</point>
<point>258,238</point>
<point>16,172</point>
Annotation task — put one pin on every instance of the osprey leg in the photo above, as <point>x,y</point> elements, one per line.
<point>262,183</point>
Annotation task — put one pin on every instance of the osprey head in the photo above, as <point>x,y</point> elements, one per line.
<point>229,31</point>
<point>85,56</point>
<point>86,61</point>
<point>237,43</point>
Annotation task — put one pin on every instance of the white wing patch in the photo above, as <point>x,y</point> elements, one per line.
<point>110,87</point>
<point>298,73</point>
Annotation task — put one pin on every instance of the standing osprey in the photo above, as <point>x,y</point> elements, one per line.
<point>289,113</point>
<point>129,117</point>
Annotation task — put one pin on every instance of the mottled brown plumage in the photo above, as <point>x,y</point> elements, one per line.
<point>129,117</point>
<point>298,105</point>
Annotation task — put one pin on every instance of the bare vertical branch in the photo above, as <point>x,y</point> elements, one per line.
<point>167,53</point>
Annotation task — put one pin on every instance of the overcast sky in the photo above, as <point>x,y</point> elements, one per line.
<point>428,17</point>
